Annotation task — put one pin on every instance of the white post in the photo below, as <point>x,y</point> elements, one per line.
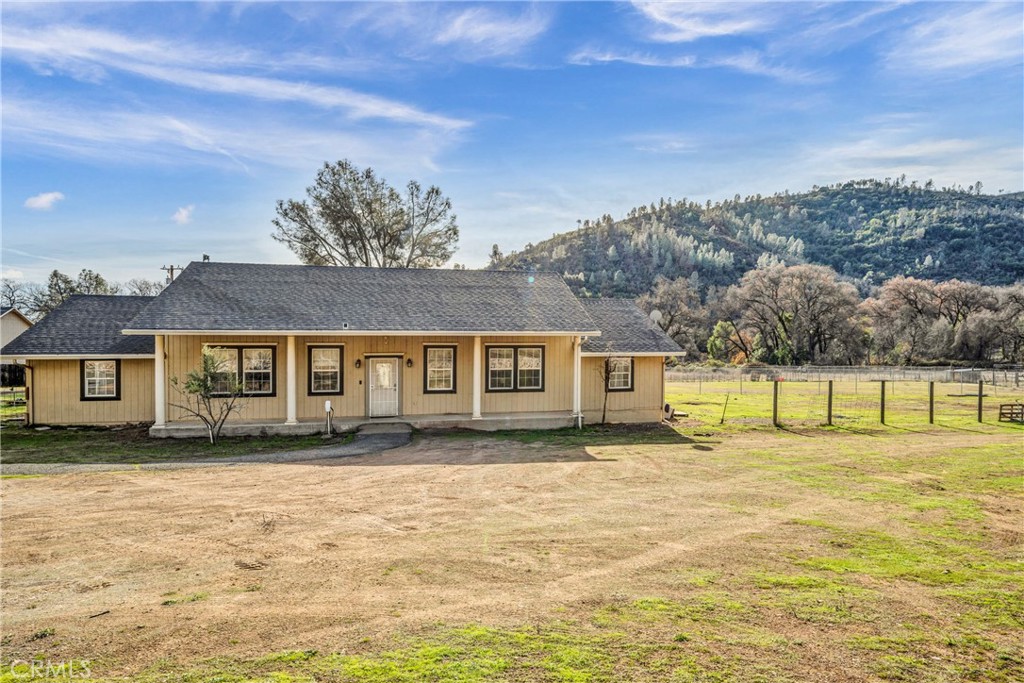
<point>159,382</point>
<point>290,382</point>
<point>577,367</point>
<point>477,381</point>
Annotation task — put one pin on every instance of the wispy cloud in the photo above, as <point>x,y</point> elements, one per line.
<point>183,216</point>
<point>662,143</point>
<point>964,39</point>
<point>44,201</point>
<point>905,144</point>
<point>488,31</point>
<point>678,22</point>
<point>146,137</point>
<point>89,55</point>
<point>754,63</point>
<point>590,56</point>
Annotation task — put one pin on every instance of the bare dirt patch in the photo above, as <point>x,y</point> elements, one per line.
<point>352,556</point>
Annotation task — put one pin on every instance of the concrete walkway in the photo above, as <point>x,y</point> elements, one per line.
<point>371,438</point>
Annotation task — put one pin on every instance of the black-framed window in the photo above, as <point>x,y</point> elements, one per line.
<point>326,370</point>
<point>619,373</point>
<point>255,365</point>
<point>439,369</point>
<point>515,368</point>
<point>101,380</point>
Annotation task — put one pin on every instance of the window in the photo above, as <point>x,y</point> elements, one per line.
<point>439,369</point>
<point>325,370</point>
<point>101,380</point>
<point>225,380</point>
<point>620,374</point>
<point>257,371</point>
<point>515,368</point>
<point>254,365</point>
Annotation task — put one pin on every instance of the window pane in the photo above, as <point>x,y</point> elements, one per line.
<point>100,378</point>
<point>226,376</point>
<point>530,368</point>
<point>499,368</point>
<point>325,369</point>
<point>440,369</point>
<point>620,373</point>
<point>257,365</point>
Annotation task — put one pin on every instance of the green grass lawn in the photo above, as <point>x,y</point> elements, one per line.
<point>132,445</point>
<point>855,405</point>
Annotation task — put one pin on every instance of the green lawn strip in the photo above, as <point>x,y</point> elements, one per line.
<point>134,446</point>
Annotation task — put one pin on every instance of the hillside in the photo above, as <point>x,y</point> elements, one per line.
<point>867,230</point>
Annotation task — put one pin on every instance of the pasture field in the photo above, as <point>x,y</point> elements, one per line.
<point>855,404</point>
<point>688,553</point>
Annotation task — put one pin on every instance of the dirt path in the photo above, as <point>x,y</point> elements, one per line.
<point>380,438</point>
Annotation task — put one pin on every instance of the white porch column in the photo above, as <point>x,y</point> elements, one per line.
<point>290,392</point>
<point>159,382</point>
<point>477,380</point>
<point>577,368</point>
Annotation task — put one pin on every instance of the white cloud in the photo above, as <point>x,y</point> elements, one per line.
<point>11,274</point>
<point>588,56</point>
<point>487,31</point>
<point>964,40</point>
<point>753,63</point>
<point>44,201</point>
<point>89,55</point>
<point>143,137</point>
<point>662,143</point>
<point>903,144</point>
<point>183,216</point>
<point>678,22</point>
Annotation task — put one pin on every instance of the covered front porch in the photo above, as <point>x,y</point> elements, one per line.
<point>486,423</point>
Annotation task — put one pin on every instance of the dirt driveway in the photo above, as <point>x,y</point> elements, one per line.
<point>342,555</point>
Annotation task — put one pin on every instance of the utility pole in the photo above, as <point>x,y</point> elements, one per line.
<point>170,270</point>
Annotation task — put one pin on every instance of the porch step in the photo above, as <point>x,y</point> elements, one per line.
<point>384,428</point>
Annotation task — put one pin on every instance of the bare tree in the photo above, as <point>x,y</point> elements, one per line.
<point>14,294</point>
<point>682,316</point>
<point>354,218</point>
<point>142,287</point>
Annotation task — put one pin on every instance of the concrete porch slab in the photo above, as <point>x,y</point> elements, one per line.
<point>488,423</point>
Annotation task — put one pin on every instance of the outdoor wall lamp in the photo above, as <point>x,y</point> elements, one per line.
<point>359,363</point>
<point>408,363</point>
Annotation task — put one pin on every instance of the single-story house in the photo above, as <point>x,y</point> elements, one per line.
<point>12,323</point>
<point>477,349</point>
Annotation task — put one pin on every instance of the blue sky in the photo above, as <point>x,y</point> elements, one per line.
<point>137,135</point>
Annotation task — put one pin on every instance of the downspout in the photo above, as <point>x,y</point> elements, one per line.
<point>31,396</point>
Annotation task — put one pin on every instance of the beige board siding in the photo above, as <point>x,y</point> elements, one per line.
<point>643,404</point>
<point>183,353</point>
<point>56,387</point>
<point>11,325</point>
<point>558,369</point>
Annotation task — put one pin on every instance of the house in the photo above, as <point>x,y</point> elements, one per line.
<point>476,349</point>
<point>12,323</point>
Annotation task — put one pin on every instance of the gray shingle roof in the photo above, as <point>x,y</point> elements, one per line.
<point>85,324</point>
<point>625,329</point>
<point>247,296</point>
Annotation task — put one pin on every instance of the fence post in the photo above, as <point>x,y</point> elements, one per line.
<point>882,404</point>
<point>775,402</point>
<point>980,400</point>
<point>931,403</point>
<point>829,402</point>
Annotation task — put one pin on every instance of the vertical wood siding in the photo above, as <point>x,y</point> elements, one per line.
<point>57,391</point>
<point>643,404</point>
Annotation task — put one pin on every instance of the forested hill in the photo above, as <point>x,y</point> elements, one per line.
<point>866,230</point>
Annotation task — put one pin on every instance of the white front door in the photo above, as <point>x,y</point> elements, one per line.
<point>384,379</point>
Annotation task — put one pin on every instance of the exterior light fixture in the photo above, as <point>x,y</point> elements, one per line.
<point>359,363</point>
<point>408,362</point>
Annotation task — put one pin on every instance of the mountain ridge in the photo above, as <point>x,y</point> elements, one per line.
<point>867,230</point>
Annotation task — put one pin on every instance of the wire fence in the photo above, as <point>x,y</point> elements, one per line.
<point>1007,376</point>
<point>855,401</point>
